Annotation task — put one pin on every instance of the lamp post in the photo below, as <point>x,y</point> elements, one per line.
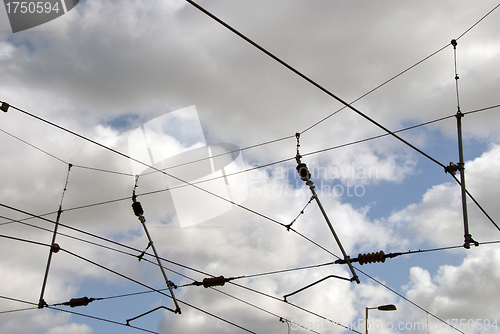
<point>389,307</point>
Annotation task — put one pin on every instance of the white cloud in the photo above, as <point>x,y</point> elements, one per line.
<point>108,60</point>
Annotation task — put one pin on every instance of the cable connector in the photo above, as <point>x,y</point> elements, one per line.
<point>211,281</point>
<point>75,302</point>
<point>4,106</point>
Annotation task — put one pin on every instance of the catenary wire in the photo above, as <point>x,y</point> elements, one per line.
<point>150,291</point>
<point>61,160</point>
<point>291,158</point>
<point>339,324</point>
<point>35,147</point>
<point>258,167</point>
<point>408,300</point>
<point>477,204</point>
<point>317,85</point>
<point>154,263</point>
<point>288,137</point>
<point>320,87</point>
<point>281,161</point>
<point>400,73</point>
<point>314,152</point>
<point>151,288</point>
<point>154,168</point>
<point>491,11</point>
<point>409,252</point>
<point>77,313</point>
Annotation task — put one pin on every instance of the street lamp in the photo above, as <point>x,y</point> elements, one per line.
<point>389,307</point>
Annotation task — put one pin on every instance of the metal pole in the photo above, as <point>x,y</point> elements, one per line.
<point>41,301</point>
<point>461,168</point>
<point>346,257</point>
<point>143,221</point>
<point>366,321</point>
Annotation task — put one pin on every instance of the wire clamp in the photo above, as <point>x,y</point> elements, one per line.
<point>451,168</point>
<point>4,106</point>
<point>42,303</point>
<point>468,241</point>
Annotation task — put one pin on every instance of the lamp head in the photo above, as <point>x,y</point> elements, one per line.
<point>389,307</point>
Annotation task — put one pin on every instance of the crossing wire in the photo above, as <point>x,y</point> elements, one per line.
<point>248,276</point>
<point>409,252</point>
<point>158,170</point>
<point>392,133</point>
<point>452,116</point>
<point>314,83</point>
<point>288,159</point>
<point>154,290</point>
<point>76,313</point>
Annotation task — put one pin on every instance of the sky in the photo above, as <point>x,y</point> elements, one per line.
<point>116,72</point>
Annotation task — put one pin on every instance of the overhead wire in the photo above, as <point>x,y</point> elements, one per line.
<point>61,160</point>
<point>291,136</point>
<point>154,263</point>
<point>390,133</point>
<point>154,290</point>
<point>128,278</point>
<point>314,83</point>
<point>459,37</point>
<point>307,267</point>
<point>305,77</point>
<point>190,268</point>
<point>154,168</point>
<point>75,313</point>
<point>257,167</point>
<point>280,161</point>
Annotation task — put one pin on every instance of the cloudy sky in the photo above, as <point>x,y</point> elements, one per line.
<point>106,68</point>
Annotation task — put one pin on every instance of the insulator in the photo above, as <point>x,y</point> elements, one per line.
<point>213,281</point>
<point>371,257</point>
<point>74,302</point>
<point>303,172</point>
<point>5,106</point>
<point>55,248</point>
<point>138,211</point>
